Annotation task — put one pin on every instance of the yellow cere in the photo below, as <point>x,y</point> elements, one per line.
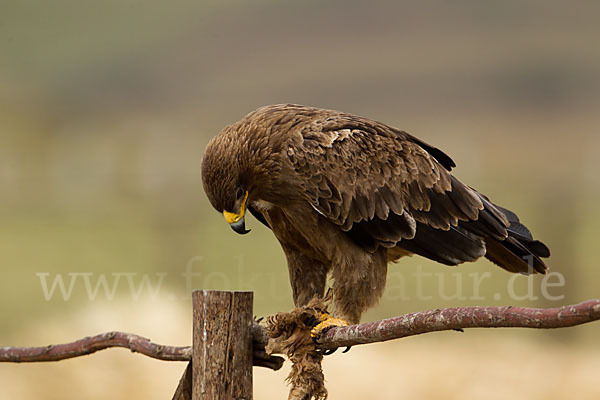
<point>232,218</point>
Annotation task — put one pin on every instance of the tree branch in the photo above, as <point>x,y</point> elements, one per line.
<point>370,332</point>
<point>135,343</point>
<point>460,318</point>
<point>92,344</point>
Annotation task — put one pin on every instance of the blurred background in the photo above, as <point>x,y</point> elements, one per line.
<point>106,107</point>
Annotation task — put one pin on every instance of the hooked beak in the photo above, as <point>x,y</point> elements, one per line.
<point>236,221</point>
<point>240,227</point>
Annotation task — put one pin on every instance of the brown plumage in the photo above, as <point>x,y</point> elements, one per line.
<point>345,195</point>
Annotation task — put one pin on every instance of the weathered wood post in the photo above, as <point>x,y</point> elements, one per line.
<point>222,345</point>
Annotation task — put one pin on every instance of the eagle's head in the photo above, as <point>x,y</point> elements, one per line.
<point>225,178</point>
<point>244,164</point>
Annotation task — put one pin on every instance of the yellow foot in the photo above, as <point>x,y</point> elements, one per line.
<point>326,322</point>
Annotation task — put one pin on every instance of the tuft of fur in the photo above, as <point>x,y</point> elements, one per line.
<point>289,334</point>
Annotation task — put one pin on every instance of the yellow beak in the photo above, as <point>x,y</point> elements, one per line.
<point>232,218</point>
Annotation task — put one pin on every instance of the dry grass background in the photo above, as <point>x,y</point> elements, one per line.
<point>105,110</point>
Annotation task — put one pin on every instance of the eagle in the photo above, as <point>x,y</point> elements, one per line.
<point>345,196</point>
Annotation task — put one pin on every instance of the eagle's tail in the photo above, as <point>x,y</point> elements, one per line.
<point>519,252</point>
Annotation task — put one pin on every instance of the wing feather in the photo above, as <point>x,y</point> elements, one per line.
<point>370,177</point>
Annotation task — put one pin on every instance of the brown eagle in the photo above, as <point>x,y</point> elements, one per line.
<point>345,195</point>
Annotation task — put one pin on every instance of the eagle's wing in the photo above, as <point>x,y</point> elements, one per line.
<point>387,188</point>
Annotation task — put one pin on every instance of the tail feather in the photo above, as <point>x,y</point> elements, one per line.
<point>519,252</point>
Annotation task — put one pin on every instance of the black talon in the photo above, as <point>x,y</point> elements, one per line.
<point>329,351</point>
<point>347,349</point>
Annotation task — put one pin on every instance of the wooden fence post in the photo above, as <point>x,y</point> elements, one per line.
<point>222,345</point>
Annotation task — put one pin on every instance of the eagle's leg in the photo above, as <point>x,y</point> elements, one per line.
<point>359,281</point>
<point>307,277</point>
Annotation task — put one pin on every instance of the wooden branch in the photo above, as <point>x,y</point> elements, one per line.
<point>92,344</point>
<point>136,343</point>
<point>370,332</point>
<point>461,318</point>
